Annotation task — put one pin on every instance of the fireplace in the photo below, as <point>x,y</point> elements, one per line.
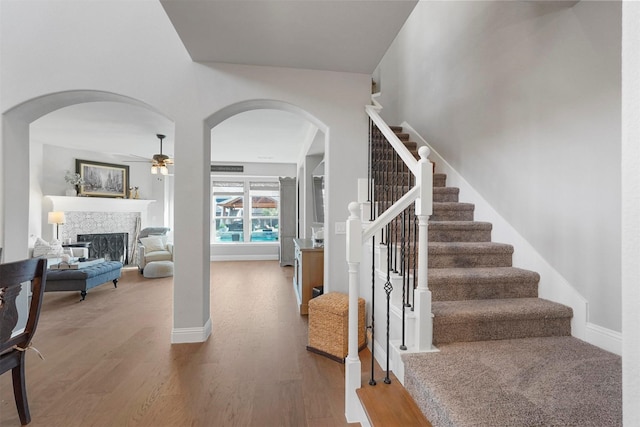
<point>110,246</point>
<point>100,216</point>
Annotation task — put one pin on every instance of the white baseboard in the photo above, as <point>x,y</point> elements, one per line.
<point>244,257</point>
<point>189,335</point>
<point>604,338</point>
<point>553,286</point>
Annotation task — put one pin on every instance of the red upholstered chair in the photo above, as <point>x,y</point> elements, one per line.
<point>32,272</point>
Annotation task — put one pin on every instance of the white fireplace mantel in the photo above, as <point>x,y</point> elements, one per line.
<point>98,204</point>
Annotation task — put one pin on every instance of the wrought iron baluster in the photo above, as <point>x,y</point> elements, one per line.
<point>372,380</point>
<point>405,279</point>
<point>388,288</point>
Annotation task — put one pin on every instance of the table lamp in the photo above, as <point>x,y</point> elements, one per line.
<point>56,218</point>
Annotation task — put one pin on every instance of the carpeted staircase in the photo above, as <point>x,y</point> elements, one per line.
<point>507,357</point>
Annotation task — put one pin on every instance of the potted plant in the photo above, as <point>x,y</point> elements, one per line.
<point>73,179</point>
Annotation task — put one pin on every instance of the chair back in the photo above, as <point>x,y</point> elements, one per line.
<point>153,231</point>
<point>14,277</point>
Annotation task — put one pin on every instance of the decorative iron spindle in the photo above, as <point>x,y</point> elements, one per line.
<point>388,287</point>
<point>396,191</point>
<point>372,380</point>
<point>405,279</point>
<point>415,260</point>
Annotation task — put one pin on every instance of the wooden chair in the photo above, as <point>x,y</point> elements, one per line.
<point>13,349</point>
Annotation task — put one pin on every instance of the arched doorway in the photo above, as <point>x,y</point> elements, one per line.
<point>15,160</point>
<point>304,135</point>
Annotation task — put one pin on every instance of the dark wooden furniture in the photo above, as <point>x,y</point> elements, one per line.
<point>13,349</point>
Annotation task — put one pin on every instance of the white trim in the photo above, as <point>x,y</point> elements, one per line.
<point>189,335</point>
<point>263,257</point>
<point>604,338</point>
<point>553,286</point>
<point>98,204</point>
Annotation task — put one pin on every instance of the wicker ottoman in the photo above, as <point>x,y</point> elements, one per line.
<point>329,325</point>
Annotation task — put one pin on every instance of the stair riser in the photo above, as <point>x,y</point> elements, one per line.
<point>441,235</point>
<point>459,235</point>
<point>439,179</point>
<point>445,196</point>
<point>472,291</point>
<point>440,194</point>
<point>451,215</point>
<point>499,330</point>
<point>469,260</point>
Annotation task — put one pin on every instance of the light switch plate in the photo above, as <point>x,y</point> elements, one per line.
<point>341,228</point>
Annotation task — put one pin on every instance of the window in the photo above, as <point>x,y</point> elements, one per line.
<point>228,202</point>
<point>233,223</point>
<point>265,200</point>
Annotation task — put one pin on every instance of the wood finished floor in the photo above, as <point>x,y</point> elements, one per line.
<point>109,361</point>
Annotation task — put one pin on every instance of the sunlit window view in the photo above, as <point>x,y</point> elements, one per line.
<point>245,211</point>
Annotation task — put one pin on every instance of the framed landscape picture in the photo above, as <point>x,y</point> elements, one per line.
<point>103,179</point>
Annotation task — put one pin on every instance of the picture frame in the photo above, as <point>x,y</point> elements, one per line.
<point>103,179</point>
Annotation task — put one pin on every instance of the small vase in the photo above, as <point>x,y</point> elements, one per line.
<point>71,192</point>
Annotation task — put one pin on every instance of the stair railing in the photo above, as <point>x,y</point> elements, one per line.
<point>421,194</point>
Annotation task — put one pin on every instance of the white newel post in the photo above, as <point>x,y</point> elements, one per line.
<point>352,364</point>
<point>424,209</point>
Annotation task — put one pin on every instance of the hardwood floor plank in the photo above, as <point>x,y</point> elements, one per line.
<point>109,361</point>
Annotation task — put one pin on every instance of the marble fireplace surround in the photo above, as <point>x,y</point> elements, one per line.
<point>92,215</point>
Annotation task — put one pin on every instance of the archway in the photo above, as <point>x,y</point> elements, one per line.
<point>319,133</point>
<point>271,139</point>
<point>15,176</point>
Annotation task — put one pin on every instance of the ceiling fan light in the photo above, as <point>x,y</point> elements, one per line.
<point>164,170</point>
<point>154,170</point>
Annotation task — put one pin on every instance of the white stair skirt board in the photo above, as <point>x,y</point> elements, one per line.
<point>553,286</point>
<point>395,358</point>
<point>189,335</point>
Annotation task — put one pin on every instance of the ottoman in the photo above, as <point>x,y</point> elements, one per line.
<point>83,279</point>
<point>329,325</point>
<point>157,269</point>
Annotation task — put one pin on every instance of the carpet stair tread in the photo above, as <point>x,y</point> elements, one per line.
<point>447,312</point>
<point>551,381</point>
<point>436,248</point>
<point>469,254</point>
<point>498,319</point>
<point>460,231</point>
<point>453,206</point>
<point>439,180</point>
<point>446,194</point>
<point>455,284</point>
<point>481,275</point>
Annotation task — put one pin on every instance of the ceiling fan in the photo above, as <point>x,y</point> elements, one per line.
<point>160,161</point>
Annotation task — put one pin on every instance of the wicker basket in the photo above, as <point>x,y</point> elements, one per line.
<point>329,325</point>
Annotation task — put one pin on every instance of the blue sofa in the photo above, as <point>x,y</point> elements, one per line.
<point>83,279</point>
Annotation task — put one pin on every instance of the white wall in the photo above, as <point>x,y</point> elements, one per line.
<point>631,213</point>
<point>523,98</point>
<point>128,52</point>
<point>48,179</point>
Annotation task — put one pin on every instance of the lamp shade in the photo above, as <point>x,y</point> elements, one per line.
<point>56,218</point>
